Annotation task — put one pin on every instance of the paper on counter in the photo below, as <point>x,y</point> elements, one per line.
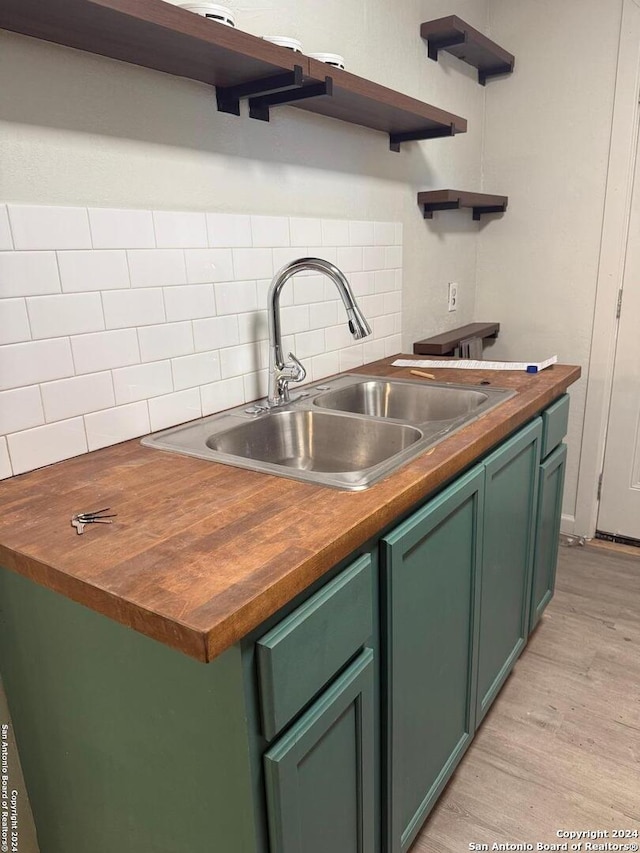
<point>469,364</point>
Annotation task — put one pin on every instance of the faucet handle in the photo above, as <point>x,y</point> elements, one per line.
<point>297,371</point>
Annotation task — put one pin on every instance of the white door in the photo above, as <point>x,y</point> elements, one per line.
<point>619,511</point>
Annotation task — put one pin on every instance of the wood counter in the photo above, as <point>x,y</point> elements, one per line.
<point>201,553</point>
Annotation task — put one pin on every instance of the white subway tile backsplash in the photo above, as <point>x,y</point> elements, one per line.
<point>373,257</point>
<point>208,265</point>
<point>114,425</point>
<point>193,370</point>
<point>308,344</point>
<point>255,385</point>
<point>165,341</point>
<point>236,297</point>
<point>222,395</point>
<point>372,350</point>
<point>392,345</point>
<point>215,333</point>
<point>361,233</point>
<point>80,395</point>
<point>14,322</point>
<point>295,318</point>
<point>392,302</point>
<point>142,381</point>
<point>156,267</point>
<point>352,357</point>
<point>6,240</point>
<point>392,257</point>
<point>253,326</point>
<point>105,350</point>
<point>68,314</point>
<point>384,233</point>
<point>385,281</point>
<point>252,263</point>
<point>362,283</point>
<point>235,361</point>
<point>232,230</point>
<point>36,227</point>
<point>180,230</point>
<point>285,255</point>
<point>323,314</point>
<point>28,274</point>
<point>20,409</point>
<point>175,409</point>
<point>121,229</point>
<point>372,306</point>
<point>93,270</point>
<point>382,327</point>
<point>44,445</point>
<point>189,302</point>
<point>33,362</point>
<point>350,259</point>
<point>165,317</point>
<point>5,462</point>
<point>305,232</point>
<point>325,365</point>
<point>335,232</point>
<point>124,309</point>
<point>270,231</point>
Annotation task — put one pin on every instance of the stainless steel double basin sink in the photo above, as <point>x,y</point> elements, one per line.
<point>348,432</point>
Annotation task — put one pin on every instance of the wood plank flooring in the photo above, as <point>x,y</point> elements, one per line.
<point>560,748</point>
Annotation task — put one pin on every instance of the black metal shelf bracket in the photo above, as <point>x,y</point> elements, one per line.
<point>485,74</point>
<point>427,209</point>
<point>259,107</point>
<point>396,139</point>
<point>228,97</point>
<point>490,208</point>
<point>434,45</point>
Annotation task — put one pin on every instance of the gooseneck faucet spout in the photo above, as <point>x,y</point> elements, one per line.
<point>282,372</point>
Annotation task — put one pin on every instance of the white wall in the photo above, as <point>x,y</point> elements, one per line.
<point>547,140</point>
<point>83,130</point>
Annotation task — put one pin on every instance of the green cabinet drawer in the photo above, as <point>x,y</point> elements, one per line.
<point>319,776</point>
<point>554,425</point>
<point>298,657</point>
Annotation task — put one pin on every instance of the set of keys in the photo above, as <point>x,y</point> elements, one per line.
<point>81,519</point>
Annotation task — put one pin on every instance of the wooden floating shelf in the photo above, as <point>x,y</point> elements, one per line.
<point>445,343</point>
<point>155,34</point>
<point>458,38</point>
<point>480,203</point>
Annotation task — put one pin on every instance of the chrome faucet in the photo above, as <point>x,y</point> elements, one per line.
<point>282,372</point>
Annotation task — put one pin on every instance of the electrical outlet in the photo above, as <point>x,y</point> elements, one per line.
<point>453,295</point>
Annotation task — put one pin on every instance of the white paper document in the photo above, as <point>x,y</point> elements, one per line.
<point>470,364</point>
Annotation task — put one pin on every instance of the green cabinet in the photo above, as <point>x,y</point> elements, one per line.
<point>430,585</point>
<point>511,488</point>
<point>319,776</point>
<point>550,488</point>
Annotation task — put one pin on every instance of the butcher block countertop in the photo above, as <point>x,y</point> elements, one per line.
<point>201,553</point>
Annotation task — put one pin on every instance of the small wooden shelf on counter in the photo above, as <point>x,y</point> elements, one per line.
<point>446,343</point>
<point>155,34</point>
<point>460,39</point>
<point>480,203</point>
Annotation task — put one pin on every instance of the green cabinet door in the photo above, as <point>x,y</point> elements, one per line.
<point>550,488</point>
<point>430,571</point>
<point>320,775</point>
<point>511,487</point>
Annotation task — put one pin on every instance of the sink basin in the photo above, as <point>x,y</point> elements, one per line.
<point>347,433</point>
<point>406,401</point>
<point>316,441</point>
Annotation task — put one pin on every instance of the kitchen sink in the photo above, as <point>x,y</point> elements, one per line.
<point>347,433</point>
<point>406,401</point>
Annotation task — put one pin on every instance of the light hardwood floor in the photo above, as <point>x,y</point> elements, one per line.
<point>560,748</point>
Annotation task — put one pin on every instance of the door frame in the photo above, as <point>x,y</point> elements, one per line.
<point>615,230</point>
